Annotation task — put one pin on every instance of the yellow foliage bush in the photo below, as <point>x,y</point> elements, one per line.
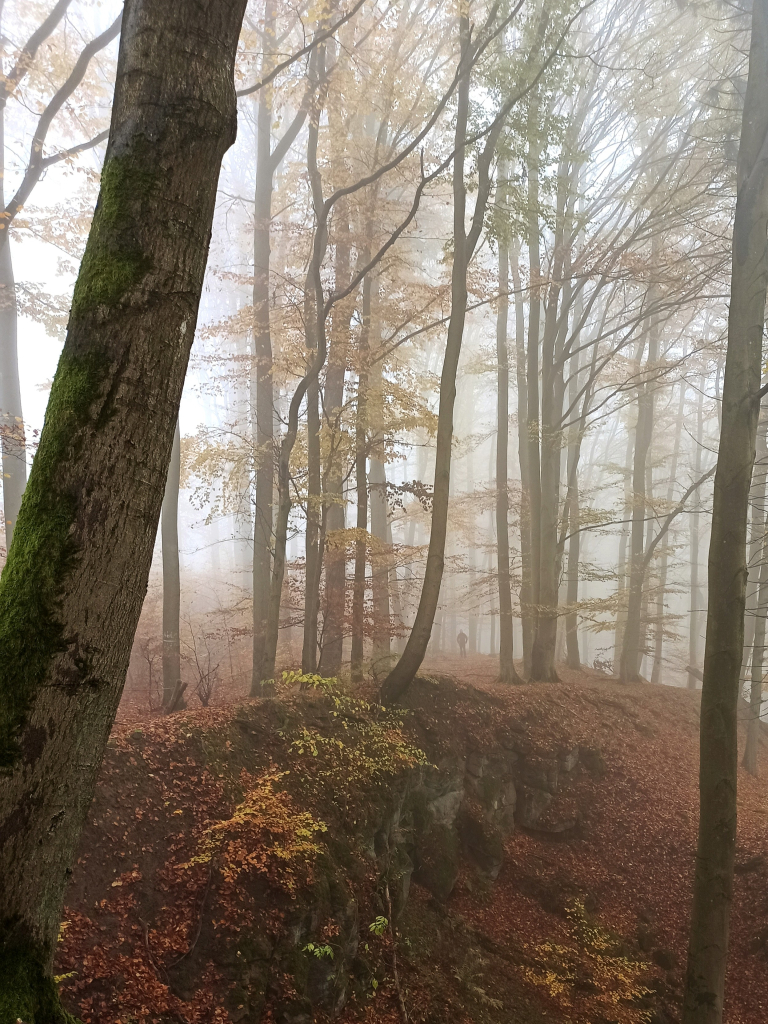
<point>267,834</point>
<point>615,981</point>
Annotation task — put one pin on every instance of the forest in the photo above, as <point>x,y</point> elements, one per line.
<point>384,544</point>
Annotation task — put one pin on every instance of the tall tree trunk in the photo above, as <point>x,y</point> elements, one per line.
<point>631,653</point>
<point>77,571</point>
<point>552,391</point>
<point>171,578</point>
<point>758,656</point>
<point>13,442</point>
<point>658,647</point>
<point>573,658</point>
<point>333,483</point>
<point>754,551</point>
<point>713,882</point>
<point>693,630</point>
<point>523,450</point>
<point>621,589</point>
<point>533,431</point>
<point>262,386</point>
<point>413,655</point>
<point>507,671</point>
<point>379,569</point>
<point>314,538</point>
<point>361,483</point>
<point>394,589</point>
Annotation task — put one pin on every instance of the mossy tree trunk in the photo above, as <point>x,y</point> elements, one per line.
<point>77,570</point>
<point>713,881</point>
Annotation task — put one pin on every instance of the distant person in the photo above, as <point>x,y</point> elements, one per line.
<point>462,641</point>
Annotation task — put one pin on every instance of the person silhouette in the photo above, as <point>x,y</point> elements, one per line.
<point>462,642</point>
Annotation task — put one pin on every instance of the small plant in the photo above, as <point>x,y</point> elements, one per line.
<point>321,952</point>
<point>378,926</point>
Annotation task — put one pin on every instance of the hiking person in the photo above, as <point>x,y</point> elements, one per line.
<point>462,641</point>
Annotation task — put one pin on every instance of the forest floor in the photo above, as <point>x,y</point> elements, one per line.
<point>566,927</point>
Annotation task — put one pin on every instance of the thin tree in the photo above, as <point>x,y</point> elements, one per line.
<point>713,880</point>
<point>507,671</point>
<point>169,531</point>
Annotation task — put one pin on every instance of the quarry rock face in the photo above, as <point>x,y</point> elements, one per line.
<point>432,820</point>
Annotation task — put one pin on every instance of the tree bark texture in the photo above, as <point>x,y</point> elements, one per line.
<point>77,571</point>
<point>713,881</point>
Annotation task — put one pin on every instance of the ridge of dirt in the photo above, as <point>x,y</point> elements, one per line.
<point>626,865</point>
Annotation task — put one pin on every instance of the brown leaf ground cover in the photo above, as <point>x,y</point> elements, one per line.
<point>590,929</point>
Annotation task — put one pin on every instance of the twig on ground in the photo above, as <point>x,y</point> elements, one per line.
<point>398,989</point>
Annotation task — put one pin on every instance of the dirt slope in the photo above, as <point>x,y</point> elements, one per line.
<point>585,923</point>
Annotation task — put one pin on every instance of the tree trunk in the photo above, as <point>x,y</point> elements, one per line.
<point>171,579</point>
<point>693,632</point>
<point>313,538</point>
<point>262,387</point>
<point>333,484</point>
<point>621,587</point>
<point>552,391</point>
<point>758,658</point>
<point>379,569</point>
<point>713,882</point>
<point>656,672</point>
<point>526,620</point>
<point>631,653</point>
<point>533,430</point>
<point>573,658</point>
<point>361,483</point>
<point>77,573</point>
<point>415,649</point>
<point>507,672</point>
<point>13,441</point>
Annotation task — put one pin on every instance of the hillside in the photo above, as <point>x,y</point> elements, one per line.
<point>537,844</point>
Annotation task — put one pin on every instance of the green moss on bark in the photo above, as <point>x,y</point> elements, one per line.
<point>42,553</point>
<point>27,992</point>
<point>113,262</point>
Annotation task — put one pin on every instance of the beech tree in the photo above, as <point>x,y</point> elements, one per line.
<point>77,569</point>
<point>727,574</point>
